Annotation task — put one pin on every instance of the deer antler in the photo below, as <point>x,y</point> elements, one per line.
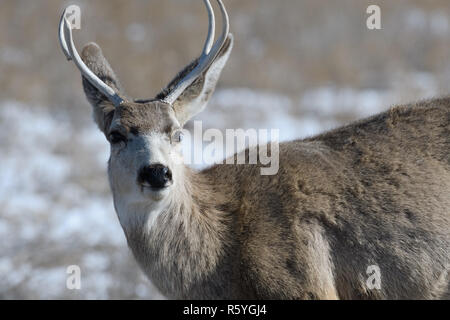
<point>208,54</point>
<point>65,32</point>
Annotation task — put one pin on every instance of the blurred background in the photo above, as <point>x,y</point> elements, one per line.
<point>302,66</point>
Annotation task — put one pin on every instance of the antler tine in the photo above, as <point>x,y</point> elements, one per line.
<point>225,28</point>
<point>211,29</point>
<point>207,56</point>
<point>65,32</point>
<point>62,40</point>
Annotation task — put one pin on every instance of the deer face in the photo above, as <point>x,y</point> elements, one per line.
<point>145,150</point>
<point>145,162</point>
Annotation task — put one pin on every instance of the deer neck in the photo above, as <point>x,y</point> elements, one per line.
<point>183,240</point>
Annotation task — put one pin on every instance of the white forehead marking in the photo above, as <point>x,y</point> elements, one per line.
<point>157,146</point>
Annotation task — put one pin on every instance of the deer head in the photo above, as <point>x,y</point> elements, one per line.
<point>145,135</point>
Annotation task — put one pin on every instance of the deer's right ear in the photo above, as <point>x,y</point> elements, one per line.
<point>103,108</point>
<point>195,97</point>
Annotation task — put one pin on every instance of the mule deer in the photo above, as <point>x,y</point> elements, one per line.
<point>375,192</point>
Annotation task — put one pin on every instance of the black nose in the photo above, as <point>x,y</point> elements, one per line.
<point>155,175</point>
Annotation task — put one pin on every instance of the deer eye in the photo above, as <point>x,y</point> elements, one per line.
<point>116,137</point>
<point>177,136</point>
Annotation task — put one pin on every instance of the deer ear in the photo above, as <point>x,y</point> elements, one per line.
<point>103,108</point>
<point>194,99</point>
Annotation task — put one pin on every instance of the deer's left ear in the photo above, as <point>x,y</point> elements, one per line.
<point>195,97</point>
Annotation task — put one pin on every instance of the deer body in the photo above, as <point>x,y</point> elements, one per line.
<point>372,193</point>
<point>376,192</point>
